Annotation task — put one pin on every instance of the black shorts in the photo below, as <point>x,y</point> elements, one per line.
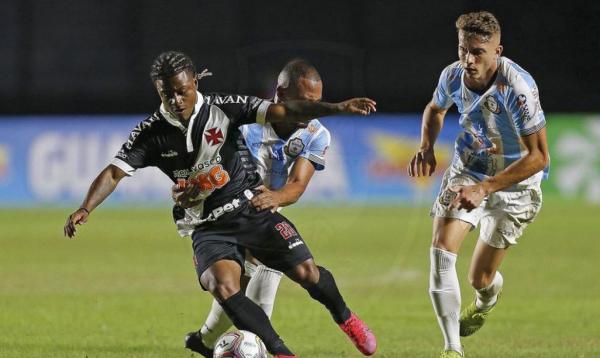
<point>270,237</point>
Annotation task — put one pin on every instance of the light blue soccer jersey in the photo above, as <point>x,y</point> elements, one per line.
<point>494,121</point>
<point>274,156</point>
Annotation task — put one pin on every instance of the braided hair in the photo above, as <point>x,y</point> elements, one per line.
<point>170,63</point>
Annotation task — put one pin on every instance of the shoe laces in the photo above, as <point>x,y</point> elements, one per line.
<point>356,329</point>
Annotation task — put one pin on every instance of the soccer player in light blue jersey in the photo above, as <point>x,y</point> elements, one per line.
<point>500,157</point>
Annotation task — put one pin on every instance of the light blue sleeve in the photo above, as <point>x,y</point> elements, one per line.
<point>523,103</point>
<point>441,95</point>
<point>317,148</point>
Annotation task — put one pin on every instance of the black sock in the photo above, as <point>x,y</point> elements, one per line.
<point>248,316</point>
<point>326,292</point>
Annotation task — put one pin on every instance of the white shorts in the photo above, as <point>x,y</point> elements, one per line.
<point>503,215</point>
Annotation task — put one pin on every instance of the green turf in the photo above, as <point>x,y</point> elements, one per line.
<point>126,287</point>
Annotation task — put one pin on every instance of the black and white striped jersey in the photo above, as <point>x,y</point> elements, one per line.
<point>210,152</point>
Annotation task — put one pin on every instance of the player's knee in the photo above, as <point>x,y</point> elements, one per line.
<point>306,273</point>
<point>439,241</point>
<point>223,290</point>
<point>220,288</point>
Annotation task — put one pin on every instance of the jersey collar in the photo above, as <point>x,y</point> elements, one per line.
<point>175,122</point>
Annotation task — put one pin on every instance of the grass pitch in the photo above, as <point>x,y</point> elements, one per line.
<point>126,286</point>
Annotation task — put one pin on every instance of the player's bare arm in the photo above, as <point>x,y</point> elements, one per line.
<point>423,163</point>
<point>298,180</point>
<point>104,184</point>
<point>304,111</point>
<point>469,197</point>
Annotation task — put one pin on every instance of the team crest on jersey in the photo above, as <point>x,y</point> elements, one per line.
<point>294,148</point>
<point>214,136</point>
<point>491,104</point>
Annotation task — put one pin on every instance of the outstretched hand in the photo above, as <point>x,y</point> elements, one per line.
<point>79,217</point>
<point>362,106</point>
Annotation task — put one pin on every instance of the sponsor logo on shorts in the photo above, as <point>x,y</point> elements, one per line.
<point>289,234</point>
<point>447,197</point>
<point>294,244</point>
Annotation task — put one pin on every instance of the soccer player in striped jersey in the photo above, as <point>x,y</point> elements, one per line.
<point>286,157</point>
<point>199,144</point>
<point>500,157</point>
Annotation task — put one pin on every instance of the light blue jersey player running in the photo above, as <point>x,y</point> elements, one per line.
<point>286,157</point>
<point>500,158</point>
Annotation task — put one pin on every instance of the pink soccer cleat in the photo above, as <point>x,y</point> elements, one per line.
<point>284,356</point>
<point>360,334</point>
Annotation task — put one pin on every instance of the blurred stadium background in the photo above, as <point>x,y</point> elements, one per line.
<point>75,82</point>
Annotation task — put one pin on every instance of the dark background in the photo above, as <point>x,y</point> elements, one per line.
<point>74,56</point>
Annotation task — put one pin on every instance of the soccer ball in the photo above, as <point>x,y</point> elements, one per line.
<point>240,344</point>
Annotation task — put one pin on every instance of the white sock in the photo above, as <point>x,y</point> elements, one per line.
<point>487,296</point>
<point>262,288</point>
<point>215,325</point>
<point>445,296</point>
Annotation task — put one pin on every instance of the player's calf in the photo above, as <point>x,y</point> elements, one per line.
<point>325,290</point>
<point>248,316</point>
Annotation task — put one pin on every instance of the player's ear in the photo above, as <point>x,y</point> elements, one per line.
<point>499,51</point>
<point>196,83</point>
<point>280,94</point>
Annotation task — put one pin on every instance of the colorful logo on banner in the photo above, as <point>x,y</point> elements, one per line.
<point>393,154</point>
<point>4,161</point>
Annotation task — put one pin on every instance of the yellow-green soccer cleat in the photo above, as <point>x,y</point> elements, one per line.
<point>473,318</point>
<point>451,354</point>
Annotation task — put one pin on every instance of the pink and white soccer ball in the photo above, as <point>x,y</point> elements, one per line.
<point>240,344</point>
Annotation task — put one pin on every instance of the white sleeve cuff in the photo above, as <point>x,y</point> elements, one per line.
<point>261,112</point>
<point>128,169</point>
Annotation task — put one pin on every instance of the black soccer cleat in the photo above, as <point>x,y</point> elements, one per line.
<point>193,342</point>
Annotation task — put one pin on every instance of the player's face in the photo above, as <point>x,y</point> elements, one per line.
<point>305,90</point>
<point>178,94</point>
<point>478,55</point>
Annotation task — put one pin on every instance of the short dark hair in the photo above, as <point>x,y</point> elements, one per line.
<point>482,23</point>
<point>170,63</point>
<point>296,69</point>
